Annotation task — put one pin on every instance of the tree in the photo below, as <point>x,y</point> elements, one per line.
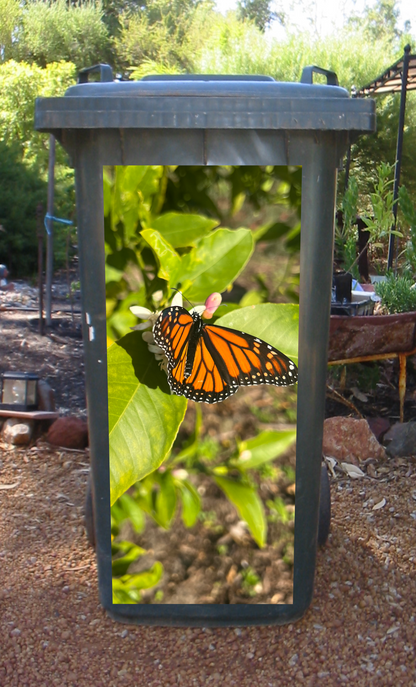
<point>24,162</point>
<point>379,21</point>
<point>159,33</point>
<point>20,85</point>
<point>54,31</point>
<point>10,13</point>
<point>260,12</point>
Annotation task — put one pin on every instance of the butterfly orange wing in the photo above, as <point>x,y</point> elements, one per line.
<point>172,332</point>
<point>227,359</point>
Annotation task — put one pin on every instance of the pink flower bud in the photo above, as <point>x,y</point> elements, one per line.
<point>211,304</point>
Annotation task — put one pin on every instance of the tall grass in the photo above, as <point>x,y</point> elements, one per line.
<point>233,47</point>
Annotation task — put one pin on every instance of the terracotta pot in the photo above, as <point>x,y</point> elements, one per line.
<point>353,337</point>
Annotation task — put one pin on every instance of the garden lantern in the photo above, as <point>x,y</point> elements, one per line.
<point>211,120</point>
<point>19,391</point>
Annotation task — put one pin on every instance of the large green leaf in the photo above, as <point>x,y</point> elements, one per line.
<point>249,506</point>
<point>143,417</point>
<point>263,448</point>
<point>182,229</point>
<point>169,261</point>
<point>215,262</point>
<point>275,323</point>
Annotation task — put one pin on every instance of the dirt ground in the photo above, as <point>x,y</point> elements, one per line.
<point>360,628</point>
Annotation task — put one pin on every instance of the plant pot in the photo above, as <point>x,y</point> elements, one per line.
<point>342,282</point>
<point>354,337</point>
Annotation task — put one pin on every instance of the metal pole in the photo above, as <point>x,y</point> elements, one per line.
<point>49,240</point>
<point>40,230</point>
<point>399,149</point>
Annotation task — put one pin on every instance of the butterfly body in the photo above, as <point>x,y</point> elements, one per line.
<point>208,363</point>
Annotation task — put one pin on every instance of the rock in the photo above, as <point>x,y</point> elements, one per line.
<point>18,432</point>
<point>401,439</point>
<point>348,439</point>
<point>379,426</point>
<point>46,396</point>
<point>68,432</point>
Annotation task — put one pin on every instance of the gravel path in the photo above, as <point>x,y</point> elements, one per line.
<point>360,629</point>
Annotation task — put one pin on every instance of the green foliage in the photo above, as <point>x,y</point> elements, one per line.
<point>369,151</point>
<point>157,35</point>
<point>378,22</point>
<point>248,504</point>
<point>164,491</point>
<point>20,85</point>
<point>380,218</point>
<point>262,449</point>
<point>143,416</point>
<point>259,12</point>
<point>408,212</point>
<point>397,293</point>
<point>56,30</point>
<point>126,508</point>
<point>229,46</point>
<point>346,235</point>
<point>140,435</point>
<point>152,249</point>
<point>382,204</point>
<point>250,580</point>
<point>279,511</point>
<point>28,151</point>
<point>157,238</point>
<point>10,13</point>
<point>127,588</point>
<point>21,190</point>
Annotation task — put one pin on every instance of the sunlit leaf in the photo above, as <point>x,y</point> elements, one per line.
<point>169,261</point>
<point>182,229</point>
<point>215,262</point>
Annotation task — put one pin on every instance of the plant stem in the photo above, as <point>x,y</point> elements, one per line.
<point>357,258</point>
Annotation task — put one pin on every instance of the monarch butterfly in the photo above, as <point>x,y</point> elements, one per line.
<point>207,363</point>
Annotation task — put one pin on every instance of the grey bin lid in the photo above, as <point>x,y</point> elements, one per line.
<point>194,102</point>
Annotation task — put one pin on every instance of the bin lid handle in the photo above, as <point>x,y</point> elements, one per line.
<point>307,75</point>
<point>106,73</point>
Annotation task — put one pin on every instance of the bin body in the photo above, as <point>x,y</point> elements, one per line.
<point>211,122</point>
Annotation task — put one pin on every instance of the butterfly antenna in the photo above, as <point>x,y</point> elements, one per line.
<point>187,299</point>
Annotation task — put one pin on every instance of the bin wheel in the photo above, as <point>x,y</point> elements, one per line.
<point>89,513</point>
<point>324,507</point>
